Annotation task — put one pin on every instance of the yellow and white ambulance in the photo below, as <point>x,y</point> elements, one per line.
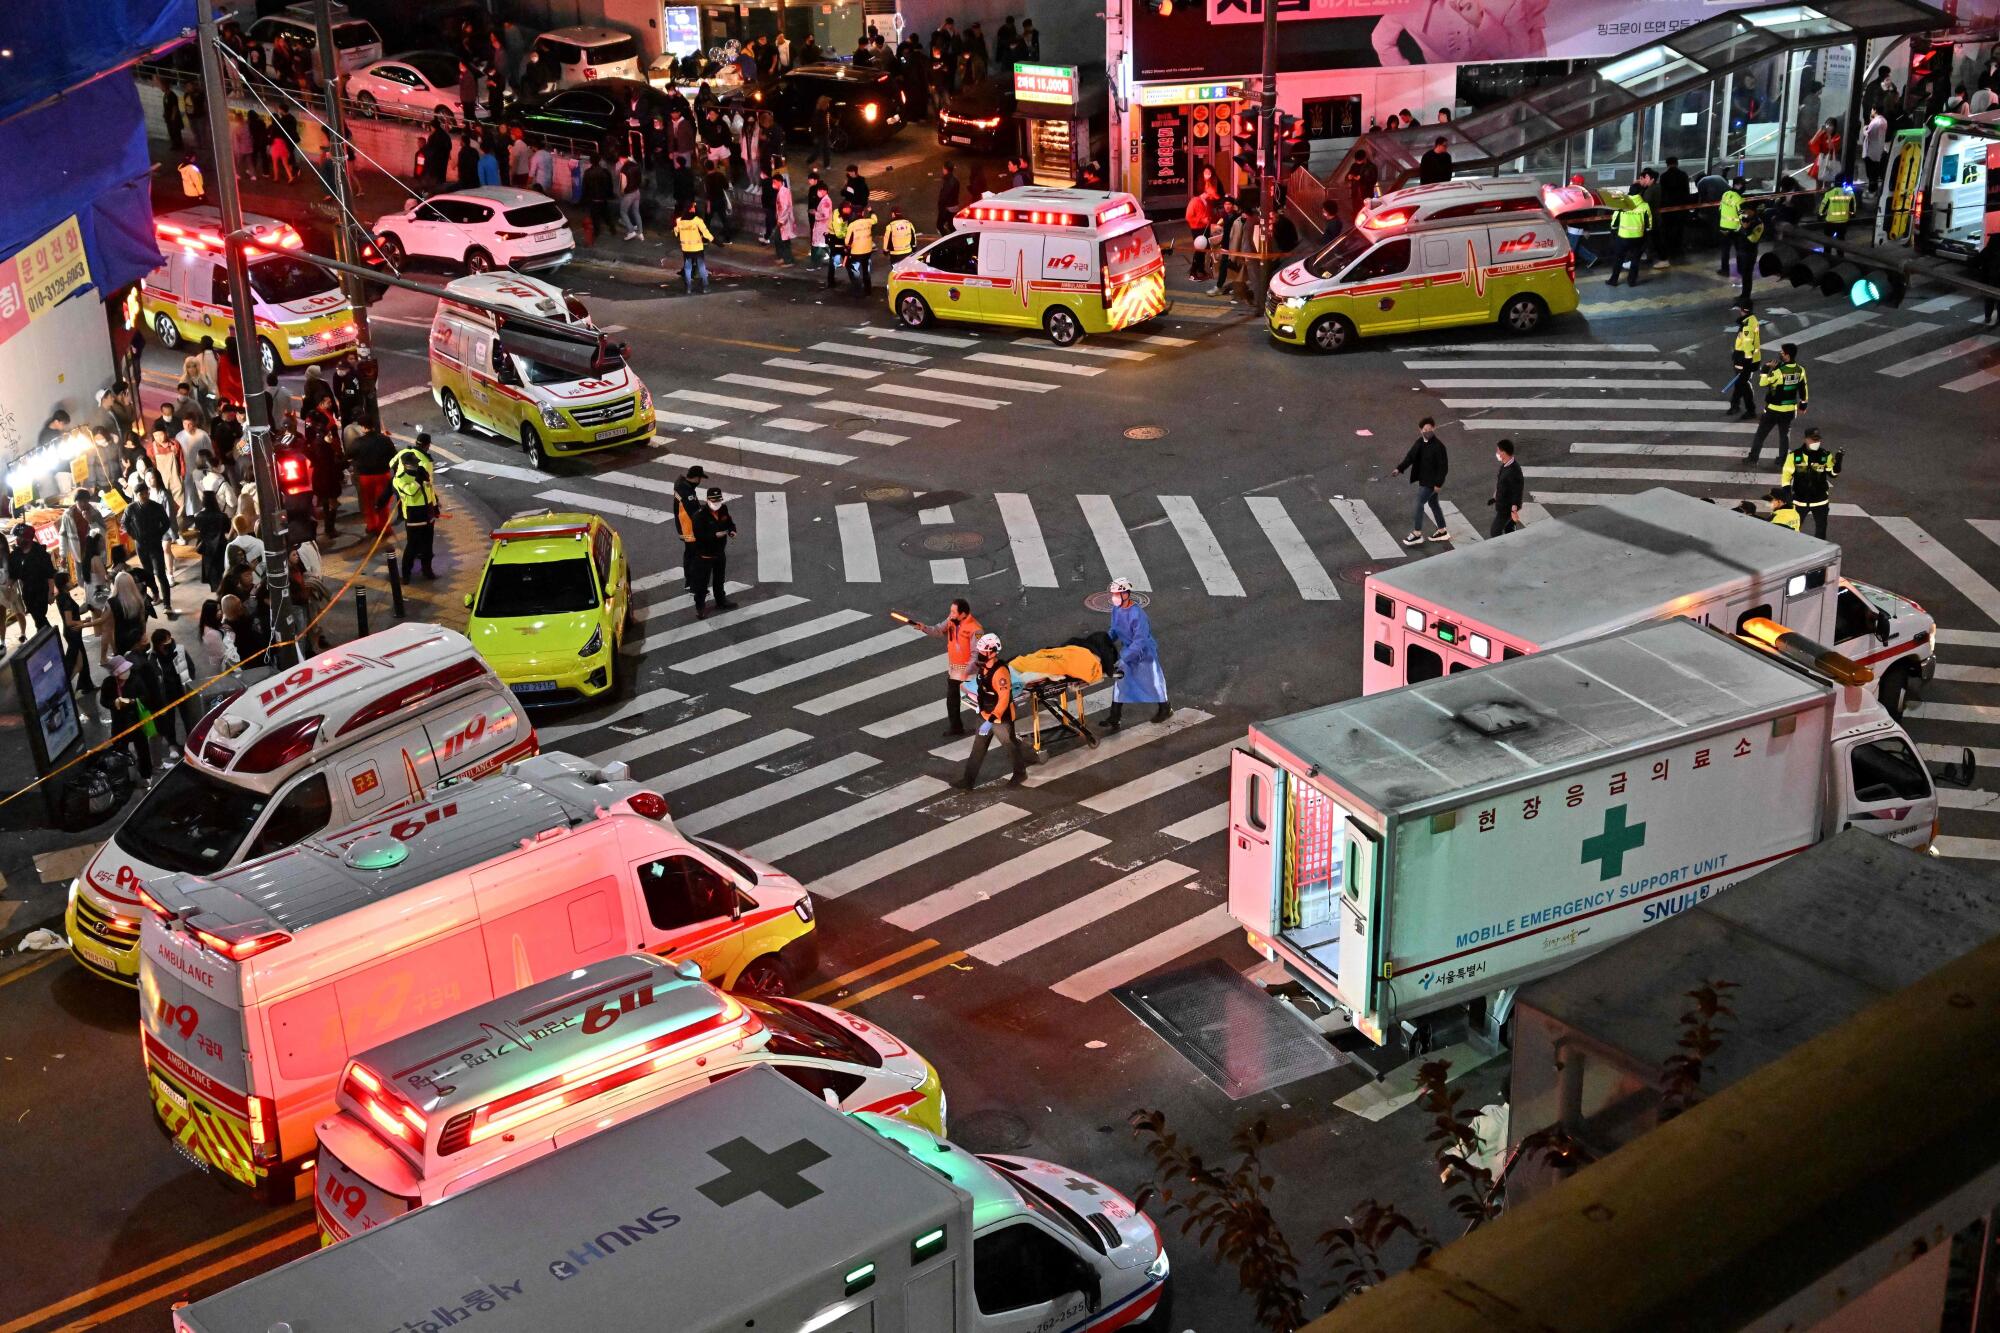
<point>302,314</point>
<point>1430,257</point>
<point>1068,262</point>
<point>556,396</point>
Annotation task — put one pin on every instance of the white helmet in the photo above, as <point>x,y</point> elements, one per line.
<point>1122,585</point>
<point>988,643</point>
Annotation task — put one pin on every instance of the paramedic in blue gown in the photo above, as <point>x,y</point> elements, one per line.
<point>1138,658</point>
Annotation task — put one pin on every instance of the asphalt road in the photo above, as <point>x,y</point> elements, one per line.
<point>1246,488</point>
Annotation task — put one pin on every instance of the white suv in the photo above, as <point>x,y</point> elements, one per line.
<point>494,226</point>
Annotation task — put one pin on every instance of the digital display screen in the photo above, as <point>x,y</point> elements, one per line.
<point>51,706</point>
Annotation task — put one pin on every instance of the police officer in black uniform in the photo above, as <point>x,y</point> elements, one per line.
<point>1809,472</point>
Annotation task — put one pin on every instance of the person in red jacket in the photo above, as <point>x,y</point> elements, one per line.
<point>959,630</point>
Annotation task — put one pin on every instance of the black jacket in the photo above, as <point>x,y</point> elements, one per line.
<point>1509,487</point>
<point>712,531</point>
<point>1434,167</point>
<point>148,523</point>
<point>1427,463</point>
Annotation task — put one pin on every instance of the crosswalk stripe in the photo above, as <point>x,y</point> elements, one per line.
<point>1956,572</point>
<point>1510,347</point>
<point>792,451</point>
<point>1540,363</point>
<point>857,544</point>
<point>402,394</point>
<point>736,652</point>
<point>1461,529</point>
<point>639,747</point>
<point>876,413</point>
<point>915,851</point>
<point>990,381</point>
<point>1974,849</point>
<point>756,475</point>
<point>683,601</point>
<point>1654,474</point>
<point>598,504</point>
<point>1950,798</point>
<point>507,471</point>
<point>959,750</point>
<point>877,437</point>
<point>862,812</point>
<point>1981,714</point>
<point>1575,424</point>
<point>1987,758</point>
<point>1079,914</point>
<point>661,418</point>
<point>1534,513</point>
<point>1938,303</point>
<point>871,687</point>
<point>995,880</point>
<point>721,620</point>
<point>720,400</point>
<point>774,538</point>
<point>872,353</point>
<point>1121,558</point>
<point>774,385</point>
<point>823,368</point>
<point>772,795</point>
<point>638,481</point>
<point>1978,379</point>
<point>727,761</point>
<point>1968,638</point>
<point>1160,780</point>
<point>1838,324</point>
<point>1139,733</point>
<point>912,336</point>
<point>907,720</point>
<point>1161,339</point>
<point>1202,547</point>
<point>832,660</point>
<point>950,573</point>
<point>1367,529</point>
<point>635,706</point>
<point>1978,342</point>
<point>793,424</point>
<point>1293,551</point>
<point>1869,346</point>
<point>1202,824</point>
<point>937,396</point>
<point>1146,956</point>
<point>1029,363</point>
<point>1085,349</point>
<point>1569,382</point>
<point>1659,450</point>
<point>1989,528</point>
<point>1608,404</point>
<point>1969,675</point>
<point>1024,537</point>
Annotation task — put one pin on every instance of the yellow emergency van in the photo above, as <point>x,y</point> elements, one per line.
<point>557,396</point>
<point>1430,257</point>
<point>302,314</point>
<point>1068,262</point>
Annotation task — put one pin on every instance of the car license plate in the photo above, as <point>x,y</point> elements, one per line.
<point>958,138</point>
<point>173,1097</point>
<point>611,434</point>
<point>95,952</point>
<point>546,235</point>
<point>533,686</point>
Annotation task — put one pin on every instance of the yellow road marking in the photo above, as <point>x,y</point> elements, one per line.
<point>742,342</point>
<point>900,979</point>
<point>173,1285</point>
<point>869,970</point>
<point>105,1288</point>
<point>15,976</point>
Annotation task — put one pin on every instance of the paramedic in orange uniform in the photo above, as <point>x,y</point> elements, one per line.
<point>994,688</point>
<point>959,630</point>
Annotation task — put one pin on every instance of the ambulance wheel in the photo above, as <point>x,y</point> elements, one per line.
<point>454,415</point>
<point>390,247</point>
<point>531,444</point>
<point>913,310</point>
<point>1063,327</point>
<point>1894,689</point>
<point>1523,314</point>
<point>1330,333</point>
<point>269,356</point>
<point>765,976</point>
<point>170,334</point>
<point>478,261</point>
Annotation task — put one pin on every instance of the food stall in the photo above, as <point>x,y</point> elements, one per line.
<point>1061,109</point>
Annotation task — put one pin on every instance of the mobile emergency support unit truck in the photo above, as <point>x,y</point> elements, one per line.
<point>750,1205</point>
<point>1642,557</point>
<point>1443,843</point>
<point>359,731</point>
<point>257,986</point>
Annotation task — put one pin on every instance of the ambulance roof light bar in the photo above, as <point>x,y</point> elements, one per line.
<point>1796,647</point>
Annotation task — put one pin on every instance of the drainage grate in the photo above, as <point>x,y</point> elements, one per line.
<point>954,541</point>
<point>1228,1027</point>
<point>888,493</point>
<point>1145,432</point>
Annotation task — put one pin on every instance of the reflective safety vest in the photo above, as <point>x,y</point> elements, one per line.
<point>1634,219</point>
<point>900,236</point>
<point>410,474</point>
<point>836,231</point>
<point>1785,516</point>
<point>1837,205</point>
<point>692,233</point>
<point>861,235</point>
<point>1749,341</point>
<point>1810,474</point>
<point>1785,387</point>
<point>1729,216</point>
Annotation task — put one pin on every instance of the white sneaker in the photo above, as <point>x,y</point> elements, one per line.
<point>1414,539</point>
<point>1440,536</point>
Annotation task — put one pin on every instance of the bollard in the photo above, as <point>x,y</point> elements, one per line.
<point>395,586</point>
<point>361,613</point>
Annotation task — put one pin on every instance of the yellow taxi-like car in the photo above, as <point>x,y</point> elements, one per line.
<point>552,606</point>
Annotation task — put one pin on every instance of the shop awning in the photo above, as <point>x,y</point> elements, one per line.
<point>83,155</point>
<point>55,47</point>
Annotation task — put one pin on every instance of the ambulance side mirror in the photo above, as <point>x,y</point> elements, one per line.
<point>1960,774</point>
<point>1883,625</point>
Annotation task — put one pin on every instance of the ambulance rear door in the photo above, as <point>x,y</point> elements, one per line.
<point>1009,262</point>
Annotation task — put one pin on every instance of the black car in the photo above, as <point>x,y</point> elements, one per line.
<point>867,103</point>
<point>980,117</point>
<point>592,112</point>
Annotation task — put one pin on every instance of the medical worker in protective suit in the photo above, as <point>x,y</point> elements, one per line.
<point>1138,658</point>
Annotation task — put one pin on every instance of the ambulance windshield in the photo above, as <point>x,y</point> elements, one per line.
<point>283,279</point>
<point>192,821</point>
<point>1333,257</point>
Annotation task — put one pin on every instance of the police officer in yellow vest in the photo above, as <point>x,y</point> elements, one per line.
<point>836,242</point>
<point>899,238</point>
<point>1809,474</point>
<point>1634,219</point>
<point>1784,386</point>
<point>1744,355</point>
<point>1836,208</point>
<point>1782,511</point>
<point>1729,223</point>
<point>410,475</point>
<point>861,252</point>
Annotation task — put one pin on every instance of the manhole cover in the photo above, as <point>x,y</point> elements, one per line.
<point>990,1131</point>
<point>1145,432</point>
<point>1101,601</point>
<point>887,493</point>
<point>954,541</point>
<point>1359,574</point>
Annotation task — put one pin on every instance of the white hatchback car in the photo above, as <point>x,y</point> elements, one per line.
<point>493,226</point>
<point>420,84</point>
<point>585,55</point>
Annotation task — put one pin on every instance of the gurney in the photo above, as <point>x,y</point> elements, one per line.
<point>1053,681</point>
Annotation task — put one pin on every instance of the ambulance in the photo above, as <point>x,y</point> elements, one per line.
<point>436,1112</point>
<point>1068,262</point>
<point>302,314</point>
<point>357,732</point>
<point>1430,257</point>
<point>258,985</point>
<point>556,396</point>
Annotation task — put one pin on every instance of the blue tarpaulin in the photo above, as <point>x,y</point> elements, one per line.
<point>55,45</point>
<point>84,153</point>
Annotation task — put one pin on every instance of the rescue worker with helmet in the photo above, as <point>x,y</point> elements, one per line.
<point>1633,221</point>
<point>992,688</point>
<point>960,629</point>
<point>1809,474</point>
<point>899,238</point>
<point>1140,680</point>
<point>411,477</point>
<point>1836,208</point>
<point>1785,395</point>
<point>1783,512</point>
<point>1744,355</point>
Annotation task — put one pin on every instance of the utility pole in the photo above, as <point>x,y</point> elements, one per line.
<point>249,352</point>
<point>1267,137</point>
<point>343,234</point>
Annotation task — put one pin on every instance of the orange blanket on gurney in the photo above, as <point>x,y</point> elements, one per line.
<point>1079,663</point>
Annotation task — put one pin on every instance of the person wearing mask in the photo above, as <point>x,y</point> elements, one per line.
<point>899,238</point>
<point>1808,474</point>
<point>369,455</point>
<point>1434,167</point>
<point>1428,464</point>
<point>1142,681</point>
<point>836,243</point>
<point>33,572</point>
<point>416,494</point>
<point>1632,222</point>
<point>960,629</point>
<point>687,499</point>
<point>1785,395</point>
<point>1836,208</point>
<point>1199,216</point>
<point>520,158</point>
<point>1745,353</point>
<point>819,206</point>
<point>218,653</point>
<point>993,696</point>
<point>855,189</point>
<point>150,527</point>
<point>694,238</point>
<point>949,197</point>
<point>169,676</point>
<point>1875,149</point>
<point>861,253</point>
<point>82,534</point>
<point>713,527</point>
<point>1510,490</point>
<point>211,538</point>
<point>1783,512</point>
<point>123,702</point>
<point>1225,242</point>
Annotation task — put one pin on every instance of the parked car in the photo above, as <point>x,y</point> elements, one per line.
<point>980,117</point>
<point>867,104</point>
<point>564,57</point>
<point>595,113</point>
<point>355,41</point>
<point>493,226</point>
<point>417,83</point>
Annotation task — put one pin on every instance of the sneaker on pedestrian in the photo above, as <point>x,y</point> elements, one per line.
<point>1659,264</point>
<point>1416,538</point>
<point>1440,536</point>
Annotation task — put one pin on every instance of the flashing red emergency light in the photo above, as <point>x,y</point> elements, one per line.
<point>1035,216</point>
<point>1394,217</point>
<point>1112,212</point>
<point>198,240</point>
<point>240,949</point>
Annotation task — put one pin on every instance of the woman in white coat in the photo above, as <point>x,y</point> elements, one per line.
<point>788,222</point>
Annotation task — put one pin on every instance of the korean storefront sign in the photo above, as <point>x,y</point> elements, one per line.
<point>36,278</point>
<point>1045,83</point>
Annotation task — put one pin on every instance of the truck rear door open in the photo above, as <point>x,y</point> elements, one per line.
<point>1252,837</point>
